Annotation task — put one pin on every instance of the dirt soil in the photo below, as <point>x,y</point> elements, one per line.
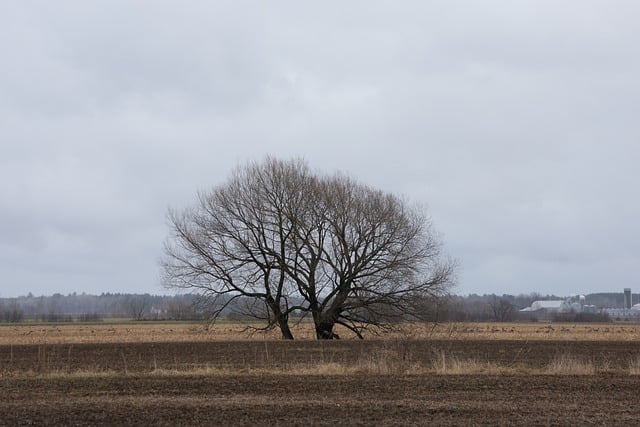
<point>152,384</point>
<point>247,355</point>
<point>321,400</point>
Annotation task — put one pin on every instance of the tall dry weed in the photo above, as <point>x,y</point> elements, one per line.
<point>447,364</point>
<point>634,366</point>
<point>567,364</point>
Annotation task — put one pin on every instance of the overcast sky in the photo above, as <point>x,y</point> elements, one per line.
<point>517,123</point>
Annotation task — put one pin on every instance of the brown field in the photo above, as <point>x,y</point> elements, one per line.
<point>224,331</point>
<point>185,374</point>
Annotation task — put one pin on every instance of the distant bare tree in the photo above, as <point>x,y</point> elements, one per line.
<point>12,312</point>
<point>502,309</point>
<point>281,239</point>
<point>138,306</point>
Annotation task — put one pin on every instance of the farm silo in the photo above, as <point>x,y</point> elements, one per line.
<point>627,298</point>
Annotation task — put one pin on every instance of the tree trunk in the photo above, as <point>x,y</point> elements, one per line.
<point>281,319</point>
<point>326,320</point>
<point>286,332</point>
<point>324,330</point>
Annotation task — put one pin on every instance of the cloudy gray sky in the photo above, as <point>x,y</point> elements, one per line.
<point>515,122</point>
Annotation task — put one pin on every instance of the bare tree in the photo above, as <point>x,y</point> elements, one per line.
<point>282,239</point>
<point>378,259</point>
<point>502,309</point>
<point>236,242</point>
<point>138,306</point>
<point>12,312</point>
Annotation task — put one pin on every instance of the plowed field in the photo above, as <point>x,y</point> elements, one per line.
<point>371,382</point>
<point>256,400</point>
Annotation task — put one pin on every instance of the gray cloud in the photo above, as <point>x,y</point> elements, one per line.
<point>513,121</point>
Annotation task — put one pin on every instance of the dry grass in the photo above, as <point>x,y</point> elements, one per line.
<point>225,331</point>
<point>567,364</point>
<point>634,366</point>
<point>142,332</point>
<point>451,366</point>
<point>524,331</point>
<point>445,364</point>
<point>392,358</point>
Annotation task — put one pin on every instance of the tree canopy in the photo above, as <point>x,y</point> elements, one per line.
<point>290,242</point>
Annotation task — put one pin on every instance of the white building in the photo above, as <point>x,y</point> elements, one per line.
<point>553,306</point>
<point>572,304</point>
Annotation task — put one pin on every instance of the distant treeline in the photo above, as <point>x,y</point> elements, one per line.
<point>93,308</point>
<point>87,308</point>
